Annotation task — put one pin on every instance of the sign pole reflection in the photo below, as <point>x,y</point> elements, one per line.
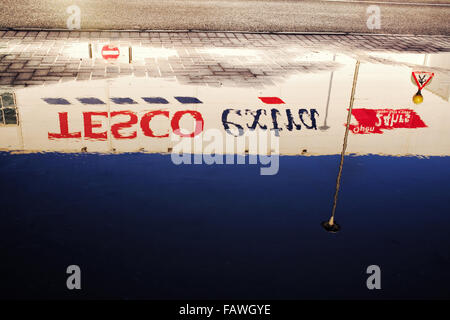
<point>331,225</point>
<point>325,126</point>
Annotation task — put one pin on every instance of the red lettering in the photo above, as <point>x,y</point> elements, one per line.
<point>384,119</point>
<point>198,123</point>
<point>118,126</point>
<point>88,126</point>
<point>64,129</point>
<point>145,123</point>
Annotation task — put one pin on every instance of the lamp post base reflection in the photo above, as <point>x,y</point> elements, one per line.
<point>331,226</point>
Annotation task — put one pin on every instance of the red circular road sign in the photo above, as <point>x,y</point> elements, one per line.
<point>110,52</point>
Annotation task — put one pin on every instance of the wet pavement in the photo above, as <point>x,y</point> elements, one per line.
<point>214,59</point>
<point>201,165</point>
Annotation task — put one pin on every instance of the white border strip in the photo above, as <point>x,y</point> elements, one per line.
<point>392,3</point>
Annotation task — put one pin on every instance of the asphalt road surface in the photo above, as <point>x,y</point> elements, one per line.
<point>401,16</point>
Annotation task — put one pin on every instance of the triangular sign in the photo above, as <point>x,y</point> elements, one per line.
<point>422,78</point>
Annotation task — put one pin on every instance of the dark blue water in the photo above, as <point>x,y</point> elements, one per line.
<point>141,227</point>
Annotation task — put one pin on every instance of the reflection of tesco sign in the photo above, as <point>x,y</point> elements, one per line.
<point>90,120</point>
<point>110,52</point>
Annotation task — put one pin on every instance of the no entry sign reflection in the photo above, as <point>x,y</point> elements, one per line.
<point>110,52</point>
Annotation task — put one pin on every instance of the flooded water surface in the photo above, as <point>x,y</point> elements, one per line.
<point>164,187</point>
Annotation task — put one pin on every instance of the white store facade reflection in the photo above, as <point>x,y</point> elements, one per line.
<point>307,112</point>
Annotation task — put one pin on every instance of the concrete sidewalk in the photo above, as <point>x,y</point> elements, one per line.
<point>200,58</point>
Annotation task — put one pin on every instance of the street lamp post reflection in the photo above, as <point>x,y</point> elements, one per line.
<point>331,225</point>
<point>325,126</point>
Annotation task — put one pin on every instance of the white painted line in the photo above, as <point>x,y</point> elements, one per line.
<point>110,52</point>
<point>392,3</point>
